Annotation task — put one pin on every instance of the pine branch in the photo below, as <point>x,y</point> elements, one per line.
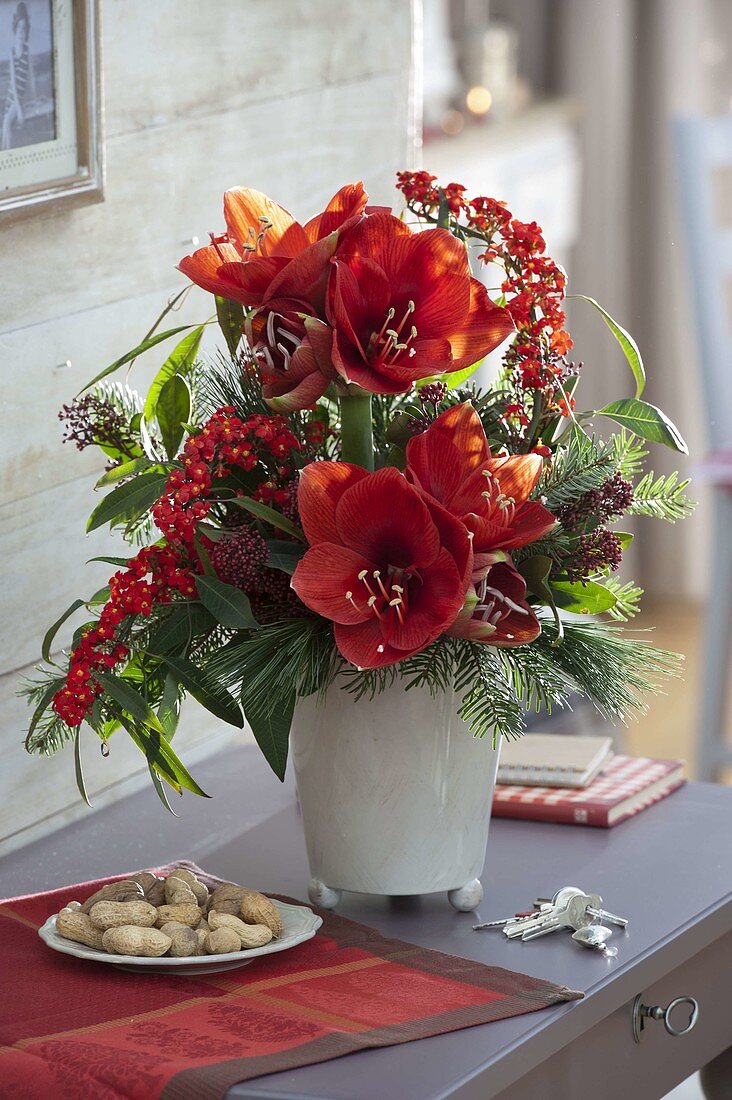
<point>616,670</point>
<point>627,598</point>
<point>661,497</point>
<point>630,453</point>
<point>580,466</point>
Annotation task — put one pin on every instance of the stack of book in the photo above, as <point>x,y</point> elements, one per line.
<point>579,781</point>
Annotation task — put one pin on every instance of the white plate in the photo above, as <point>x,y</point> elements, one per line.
<point>300,923</point>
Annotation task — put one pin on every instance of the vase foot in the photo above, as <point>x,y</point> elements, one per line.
<point>322,895</point>
<point>466,898</point>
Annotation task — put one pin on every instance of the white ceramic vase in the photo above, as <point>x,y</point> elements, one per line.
<point>395,793</point>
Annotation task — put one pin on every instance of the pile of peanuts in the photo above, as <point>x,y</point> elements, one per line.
<point>146,915</point>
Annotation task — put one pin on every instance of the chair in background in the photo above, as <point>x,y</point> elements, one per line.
<point>704,146</point>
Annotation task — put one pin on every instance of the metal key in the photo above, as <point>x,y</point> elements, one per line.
<point>544,920</point>
<point>602,914</point>
<point>570,913</point>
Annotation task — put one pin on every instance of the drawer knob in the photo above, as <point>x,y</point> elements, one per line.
<point>642,1012</point>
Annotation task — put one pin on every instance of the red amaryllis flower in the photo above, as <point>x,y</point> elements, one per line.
<point>452,462</point>
<point>260,231</point>
<point>404,306</point>
<point>496,611</point>
<point>389,569</point>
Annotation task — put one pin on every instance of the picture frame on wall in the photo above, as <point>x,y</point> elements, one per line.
<point>51,142</point>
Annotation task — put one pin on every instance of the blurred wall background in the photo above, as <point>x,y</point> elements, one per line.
<point>288,96</point>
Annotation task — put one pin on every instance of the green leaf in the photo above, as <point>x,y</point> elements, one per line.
<point>130,700</point>
<point>126,469</point>
<point>146,344</point>
<point>263,511</point>
<point>626,537</point>
<point>207,691</point>
<point>100,596</point>
<point>169,706</point>
<point>231,321</point>
<point>582,599</point>
<point>228,605</point>
<point>172,411</point>
<point>646,421</point>
<point>128,501</point>
<point>284,555</point>
<point>160,789</point>
<point>180,361</point>
<point>204,557</point>
<point>626,341</point>
<point>180,627</point>
<point>78,767</point>
<point>443,211</point>
<point>54,629</point>
<point>271,728</point>
<point>535,571</point>
<point>121,562</point>
<point>162,757</point>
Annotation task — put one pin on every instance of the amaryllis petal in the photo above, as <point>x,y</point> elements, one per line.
<point>322,484</point>
<point>496,612</point>
<point>325,580</point>
<point>454,536</point>
<point>202,268</point>
<point>306,276</point>
<point>486,326</point>
<point>440,459</point>
<point>251,213</point>
<point>364,646</point>
<point>517,475</point>
<point>348,202</point>
<point>370,236</point>
<point>299,387</point>
<point>247,281</point>
<point>436,600</point>
<point>381,516</point>
<point>431,269</point>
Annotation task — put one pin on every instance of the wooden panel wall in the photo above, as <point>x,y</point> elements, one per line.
<point>294,97</point>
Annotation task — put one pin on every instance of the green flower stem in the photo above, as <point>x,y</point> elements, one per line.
<point>357,436</point>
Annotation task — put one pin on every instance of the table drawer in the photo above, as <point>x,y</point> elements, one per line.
<point>607,1064</point>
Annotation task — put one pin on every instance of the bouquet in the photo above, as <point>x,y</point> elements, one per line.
<point>331,502</point>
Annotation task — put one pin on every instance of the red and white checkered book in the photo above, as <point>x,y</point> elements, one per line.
<point>627,785</point>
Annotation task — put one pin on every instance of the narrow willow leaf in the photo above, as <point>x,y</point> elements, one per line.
<point>128,501</point>
<point>209,693</point>
<point>271,728</point>
<point>228,605</point>
<point>100,596</point>
<point>130,700</point>
<point>55,627</point>
<point>626,341</point>
<point>172,411</point>
<point>146,344</point>
<point>126,469</point>
<point>160,790</point>
<point>180,627</point>
<point>230,316</point>
<point>78,766</point>
<point>582,599</point>
<point>646,421</point>
<point>121,562</point>
<point>180,361</point>
<point>169,707</point>
<point>443,211</point>
<point>263,511</point>
<point>284,555</point>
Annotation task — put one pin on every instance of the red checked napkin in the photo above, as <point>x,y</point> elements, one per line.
<point>72,1028</point>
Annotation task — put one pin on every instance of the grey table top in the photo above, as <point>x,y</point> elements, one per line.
<point>669,870</point>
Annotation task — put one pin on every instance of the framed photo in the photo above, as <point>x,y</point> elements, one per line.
<point>51,152</point>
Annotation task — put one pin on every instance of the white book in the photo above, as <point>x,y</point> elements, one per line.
<point>553,760</point>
